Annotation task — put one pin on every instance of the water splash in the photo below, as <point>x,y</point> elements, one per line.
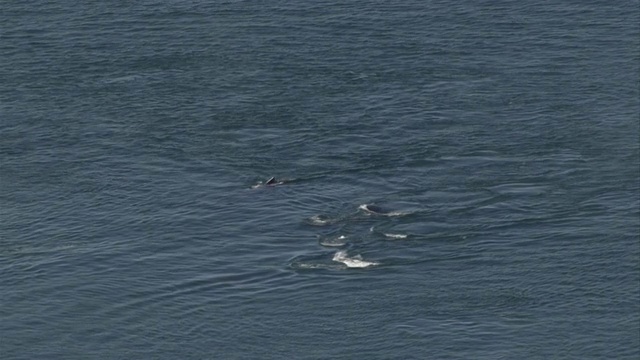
<point>353,262</point>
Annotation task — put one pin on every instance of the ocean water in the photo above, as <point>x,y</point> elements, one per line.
<point>497,143</point>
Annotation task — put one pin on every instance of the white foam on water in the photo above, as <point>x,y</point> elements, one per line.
<point>397,213</point>
<point>395,236</point>
<point>353,262</point>
<point>389,235</point>
<point>319,220</point>
<point>371,209</point>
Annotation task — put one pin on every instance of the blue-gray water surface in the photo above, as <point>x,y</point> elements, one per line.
<point>498,142</point>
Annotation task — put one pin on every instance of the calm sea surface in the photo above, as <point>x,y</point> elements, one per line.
<point>500,140</point>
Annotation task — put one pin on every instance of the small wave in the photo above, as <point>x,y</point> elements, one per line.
<point>304,266</point>
<point>122,79</point>
<point>389,235</point>
<point>353,262</point>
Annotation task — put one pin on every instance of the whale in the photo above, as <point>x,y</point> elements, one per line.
<point>272,181</point>
<point>372,209</point>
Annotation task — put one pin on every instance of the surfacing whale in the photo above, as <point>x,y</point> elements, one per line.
<point>272,181</point>
<point>372,209</point>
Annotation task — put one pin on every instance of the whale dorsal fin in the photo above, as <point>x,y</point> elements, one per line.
<point>271,181</point>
